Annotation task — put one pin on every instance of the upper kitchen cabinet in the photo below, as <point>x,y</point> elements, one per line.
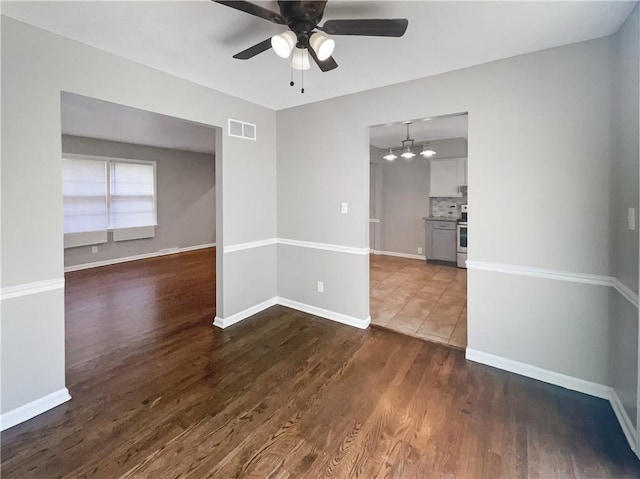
<point>447,176</point>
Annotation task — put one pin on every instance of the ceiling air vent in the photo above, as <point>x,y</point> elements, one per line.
<point>242,129</point>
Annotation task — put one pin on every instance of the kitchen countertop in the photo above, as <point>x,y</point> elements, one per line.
<point>441,218</point>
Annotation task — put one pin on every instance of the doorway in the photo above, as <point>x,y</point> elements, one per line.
<point>418,229</point>
<point>140,214</point>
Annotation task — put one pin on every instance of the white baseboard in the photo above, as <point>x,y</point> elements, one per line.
<point>306,308</point>
<point>551,377</point>
<point>325,313</point>
<point>235,318</point>
<point>168,251</point>
<point>568,382</point>
<point>33,408</point>
<point>197,247</point>
<point>126,259</point>
<point>625,421</point>
<point>399,255</point>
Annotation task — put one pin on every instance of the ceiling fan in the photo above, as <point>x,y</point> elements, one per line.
<point>302,18</point>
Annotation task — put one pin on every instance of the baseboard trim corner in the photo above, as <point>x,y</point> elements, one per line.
<point>567,382</point>
<point>325,313</point>
<point>33,408</point>
<point>244,314</point>
<point>544,375</point>
<point>305,308</point>
<point>625,421</point>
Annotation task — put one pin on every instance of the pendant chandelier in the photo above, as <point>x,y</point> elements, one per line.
<point>406,150</point>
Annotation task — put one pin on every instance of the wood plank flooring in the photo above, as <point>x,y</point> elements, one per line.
<point>158,392</point>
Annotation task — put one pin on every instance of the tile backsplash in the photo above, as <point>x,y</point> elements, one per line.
<point>446,206</point>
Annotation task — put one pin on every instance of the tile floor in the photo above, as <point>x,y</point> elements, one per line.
<point>419,299</point>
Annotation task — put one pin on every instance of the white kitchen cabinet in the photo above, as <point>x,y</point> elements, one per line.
<point>447,176</point>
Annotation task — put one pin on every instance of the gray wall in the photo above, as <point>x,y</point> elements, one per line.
<point>558,97</point>
<point>36,67</point>
<point>624,186</point>
<point>404,195</point>
<point>185,199</point>
<point>376,199</point>
<point>405,187</point>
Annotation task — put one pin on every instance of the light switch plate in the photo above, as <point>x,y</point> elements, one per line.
<point>344,208</point>
<point>631,219</point>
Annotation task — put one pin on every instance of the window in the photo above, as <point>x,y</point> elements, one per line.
<point>84,185</point>
<point>103,194</point>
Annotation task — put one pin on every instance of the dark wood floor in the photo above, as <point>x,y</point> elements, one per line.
<point>158,392</point>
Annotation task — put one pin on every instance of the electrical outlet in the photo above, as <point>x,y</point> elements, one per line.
<point>94,249</point>
<point>344,208</point>
<point>631,219</point>
<point>320,287</point>
<point>419,250</point>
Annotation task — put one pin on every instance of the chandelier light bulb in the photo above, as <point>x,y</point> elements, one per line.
<point>427,152</point>
<point>390,156</point>
<point>408,154</point>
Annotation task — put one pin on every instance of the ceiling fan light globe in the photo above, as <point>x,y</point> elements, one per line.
<point>283,44</point>
<point>322,45</point>
<point>408,155</point>
<point>300,59</point>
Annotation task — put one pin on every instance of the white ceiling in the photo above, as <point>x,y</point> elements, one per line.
<point>195,40</point>
<point>424,129</point>
<point>83,116</point>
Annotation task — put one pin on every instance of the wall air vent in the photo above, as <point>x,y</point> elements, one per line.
<point>242,129</point>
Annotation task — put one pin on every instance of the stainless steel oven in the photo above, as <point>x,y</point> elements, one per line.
<point>462,239</point>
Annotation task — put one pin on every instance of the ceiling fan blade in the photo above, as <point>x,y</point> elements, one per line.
<point>326,65</point>
<point>256,10</point>
<point>254,50</point>
<point>393,27</point>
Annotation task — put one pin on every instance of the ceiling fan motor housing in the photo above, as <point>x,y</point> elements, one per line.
<point>302,19</point>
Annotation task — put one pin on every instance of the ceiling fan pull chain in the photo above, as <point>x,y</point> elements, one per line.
<point>302,80</point>
<point>291,68</point>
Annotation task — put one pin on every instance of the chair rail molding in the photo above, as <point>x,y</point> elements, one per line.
<point>298,243</point>
<point>27,289</point>
<point>584,278</point>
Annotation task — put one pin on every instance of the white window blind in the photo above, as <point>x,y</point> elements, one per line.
<point>84,186</point>
<point>132,195</point>
<point>102,194</point>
